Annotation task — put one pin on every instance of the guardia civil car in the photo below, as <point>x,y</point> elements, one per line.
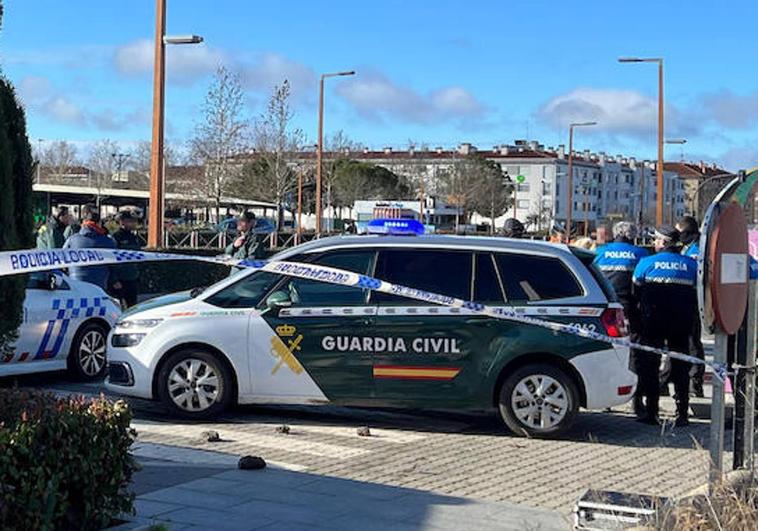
<point>260,337</point>
<point>65,326</point>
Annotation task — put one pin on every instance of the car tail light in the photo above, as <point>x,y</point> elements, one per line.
<point>614,322</point>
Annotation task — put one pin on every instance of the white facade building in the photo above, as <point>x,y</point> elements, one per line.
<point>606,187</point>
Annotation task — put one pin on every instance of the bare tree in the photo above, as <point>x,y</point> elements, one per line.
<point>102,165</point>
<point>59,157</point>
<point>139,156</point>
<point>339,148</point>
<point>221,136</point>
<point>491,192</point>
<point>271,176</point>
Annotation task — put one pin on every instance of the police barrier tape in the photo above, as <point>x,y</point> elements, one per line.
<point>29,261</point>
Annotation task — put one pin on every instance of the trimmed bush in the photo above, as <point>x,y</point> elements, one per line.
<point>64,462</point>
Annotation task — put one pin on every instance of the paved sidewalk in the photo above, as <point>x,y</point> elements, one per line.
<point>189,495</point>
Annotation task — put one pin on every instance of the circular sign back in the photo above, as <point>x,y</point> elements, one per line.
<point>728,279</point>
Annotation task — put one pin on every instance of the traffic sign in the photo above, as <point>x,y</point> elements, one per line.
<point>728,279</point>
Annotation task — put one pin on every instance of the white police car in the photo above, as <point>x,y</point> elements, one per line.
<point>262,337</point>
<point>65,326</point>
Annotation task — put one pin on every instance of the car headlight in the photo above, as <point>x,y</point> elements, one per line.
<point>126,340</point>
<point>139,323</point>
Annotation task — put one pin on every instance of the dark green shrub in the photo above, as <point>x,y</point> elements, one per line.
<point>169,277</point>
<point>16,169</point>
<point>64,462</point>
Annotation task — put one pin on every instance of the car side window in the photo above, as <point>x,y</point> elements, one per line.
<point>486,282</point>
<point>41,280</point>
<point>313,293</point>
<point>530,278</point>
<point>438,271</point>
<point>245,293</point>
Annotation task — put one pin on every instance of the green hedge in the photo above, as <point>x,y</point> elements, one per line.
<point>168,277</point>
<point>64,462</point>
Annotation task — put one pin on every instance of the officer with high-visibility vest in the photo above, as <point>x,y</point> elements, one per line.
<point>664,284</point>
<point>617,260</point>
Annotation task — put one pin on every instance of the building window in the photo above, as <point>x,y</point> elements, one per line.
<point>524,187</point>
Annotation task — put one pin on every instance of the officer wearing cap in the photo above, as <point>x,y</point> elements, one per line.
<point>247,245</point>
<point>513,228</point>
<point>617,260</point>
<point>664,284</point>
<point>689,236</point>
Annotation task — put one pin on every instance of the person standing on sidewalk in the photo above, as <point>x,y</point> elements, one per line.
<point>248,244</point>
<point>53,234</point>
<point>664,284</point>
<point>617,260</point>
<point>126,275</point>
<point>91,235</point>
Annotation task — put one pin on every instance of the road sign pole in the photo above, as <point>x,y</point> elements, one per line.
<point>716,440</point>
<point>752,346</point>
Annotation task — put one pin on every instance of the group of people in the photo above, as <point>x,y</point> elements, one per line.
<point>122,280</point>
<point>659,296</point>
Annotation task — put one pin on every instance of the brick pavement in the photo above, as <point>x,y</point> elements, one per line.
<point>453,454</point>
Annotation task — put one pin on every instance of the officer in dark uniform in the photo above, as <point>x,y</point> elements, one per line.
<point>689,231</point>
<point>617,261</point>
<point>513,228</point>
<point>664,284</point>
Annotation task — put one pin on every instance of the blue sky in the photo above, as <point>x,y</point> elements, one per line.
<point>436,72</point>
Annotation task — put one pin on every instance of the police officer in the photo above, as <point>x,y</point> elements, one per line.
<point>617,261</point>
<point>689,231</point>
<point>125,283</point>
<point>664,284</point>
<point>513,228</point>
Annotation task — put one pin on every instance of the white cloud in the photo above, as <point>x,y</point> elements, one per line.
<point>184,63</point>
<point>616,111</point>
<point>739,158</point>
<point>34,88</point>
<point>271,69</point>
<point>63,110</point>
<point>375,96</point>
<point>731,110</point>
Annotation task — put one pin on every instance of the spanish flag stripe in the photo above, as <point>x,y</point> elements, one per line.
<point>416,373</point>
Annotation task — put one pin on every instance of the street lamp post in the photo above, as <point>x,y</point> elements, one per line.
<point>659,165</point>
<point>320,145</point>
<point>570,176</point>
<point>155,218</point>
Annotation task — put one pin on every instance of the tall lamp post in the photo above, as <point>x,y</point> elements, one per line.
<point>659,165</point>
<point>570,176</point>
<point>155,218</point>
<point>320,145</point>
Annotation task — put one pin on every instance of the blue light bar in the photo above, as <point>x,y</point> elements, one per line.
<point>398,227</point>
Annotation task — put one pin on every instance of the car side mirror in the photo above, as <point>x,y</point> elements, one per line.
<point>278,300</point>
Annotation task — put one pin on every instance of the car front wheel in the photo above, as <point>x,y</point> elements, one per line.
<point>194,384</point>
<point>538,400</point>
<point>87,358</point>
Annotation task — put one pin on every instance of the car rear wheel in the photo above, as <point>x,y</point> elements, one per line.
<point>87,358</point>
<point>194,384</point>
<point>538,400</point>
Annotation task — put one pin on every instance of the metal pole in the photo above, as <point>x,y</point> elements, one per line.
<point>642,195</point>
<point>319,154</point>
<point>570,184</point>
<point>751,345</point>
<point>716,439</point>
<point>299,205</point>
<point>659,206</point>
<point>155,221</point>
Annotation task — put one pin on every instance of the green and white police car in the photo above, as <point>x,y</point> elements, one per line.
<point>261,337</point>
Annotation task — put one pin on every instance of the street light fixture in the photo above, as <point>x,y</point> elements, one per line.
<point>570,176</point>
<point>155,217</point>
<point>659,166</point>
<point>679,141</point>
<point>320,145</point>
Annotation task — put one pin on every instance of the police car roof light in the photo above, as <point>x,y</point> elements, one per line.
<point>397,227</point>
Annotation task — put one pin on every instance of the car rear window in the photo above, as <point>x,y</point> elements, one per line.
<point>588,259</point>
<point>529,278</point>
<point>438,271</point>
